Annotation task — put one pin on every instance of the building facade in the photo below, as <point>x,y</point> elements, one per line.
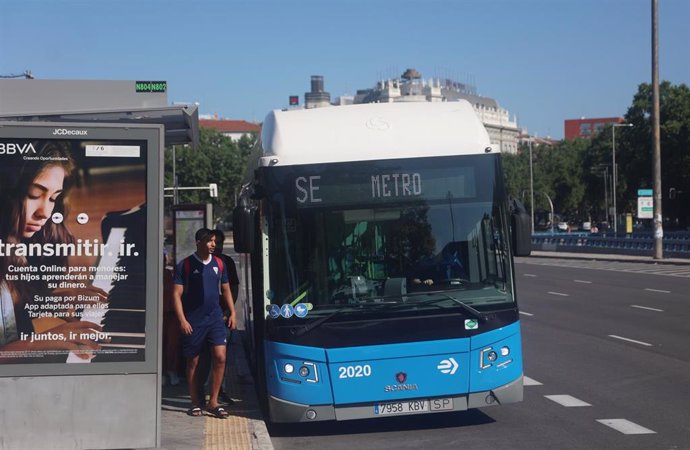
<point>411,87</point>
<point>587,128</point>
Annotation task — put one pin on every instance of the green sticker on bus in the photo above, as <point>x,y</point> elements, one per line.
<point>471,324</point>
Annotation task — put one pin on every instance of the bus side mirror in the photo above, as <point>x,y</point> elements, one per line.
<point>521,234</point>
<point>243,221</point>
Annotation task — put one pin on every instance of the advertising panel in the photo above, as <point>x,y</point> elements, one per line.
<point>187,219</point>
<point>76,261</point>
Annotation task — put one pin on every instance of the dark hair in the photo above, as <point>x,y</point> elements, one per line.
<point>203,234</point>
<point>220,236</point>
<point>14,188</point>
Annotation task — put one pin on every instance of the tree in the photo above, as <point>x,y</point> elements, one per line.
<point>561,168</point>
<point>571,172</point>
<point>218,160</point>
<point>636,149</point>
<point>557,172</point>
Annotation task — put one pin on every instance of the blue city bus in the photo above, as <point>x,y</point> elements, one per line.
<point>380,243</point>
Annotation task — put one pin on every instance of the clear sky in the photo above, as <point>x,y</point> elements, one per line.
<point>543,60</point>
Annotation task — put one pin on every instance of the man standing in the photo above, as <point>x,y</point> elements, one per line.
<point>198,280</point>
<point>204,367</point>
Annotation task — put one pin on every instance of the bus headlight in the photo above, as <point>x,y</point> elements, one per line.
<point>310,371</point>
<point>288,368</point>
<point>304,371</point>
<point>488,357</point>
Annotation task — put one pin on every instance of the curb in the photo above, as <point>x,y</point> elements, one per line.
<point>608,257</point>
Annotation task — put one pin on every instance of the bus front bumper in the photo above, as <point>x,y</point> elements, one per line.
<point>285,411</point>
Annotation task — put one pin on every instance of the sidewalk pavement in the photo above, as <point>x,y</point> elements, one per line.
<point>244,429</point>
<point>609,257</point>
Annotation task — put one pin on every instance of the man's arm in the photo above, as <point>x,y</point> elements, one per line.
<point>227,296</point>
<point>185,327</point>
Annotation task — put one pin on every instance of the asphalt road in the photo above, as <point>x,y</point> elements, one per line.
<point>607,366</point>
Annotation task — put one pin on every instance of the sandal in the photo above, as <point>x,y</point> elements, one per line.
<point>195,412</point>
<point>219,412</point>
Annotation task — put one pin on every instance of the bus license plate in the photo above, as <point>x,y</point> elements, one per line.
<point>411,406</point>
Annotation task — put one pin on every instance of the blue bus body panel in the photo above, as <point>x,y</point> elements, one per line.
<point>398,371</point>
<point>390,372</point>
<point>486,374</point>
<point>314,389</point>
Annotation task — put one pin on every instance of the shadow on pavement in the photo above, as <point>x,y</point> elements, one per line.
<point>401,423</point>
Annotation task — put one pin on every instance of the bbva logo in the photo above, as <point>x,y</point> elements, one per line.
<point>11,148</point>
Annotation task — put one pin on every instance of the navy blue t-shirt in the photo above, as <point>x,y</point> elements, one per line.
<point>202,287</point>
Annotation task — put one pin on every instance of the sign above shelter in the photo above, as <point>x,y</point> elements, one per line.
<point>151,86</point>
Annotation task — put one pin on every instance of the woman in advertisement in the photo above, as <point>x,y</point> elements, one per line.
<point>32,211</point>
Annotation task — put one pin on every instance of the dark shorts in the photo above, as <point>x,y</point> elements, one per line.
<point>213,332</point>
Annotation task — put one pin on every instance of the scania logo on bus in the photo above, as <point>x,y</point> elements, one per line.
<point>66,132</point>
<point>401,377</point>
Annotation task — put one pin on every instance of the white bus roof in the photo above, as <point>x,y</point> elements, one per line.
<point>372,131</point>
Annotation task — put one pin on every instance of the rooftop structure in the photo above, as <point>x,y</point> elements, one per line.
<point>234,129</point>
<point>411,87</point>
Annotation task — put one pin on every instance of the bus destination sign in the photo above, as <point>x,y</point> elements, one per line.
<point>331,189</point>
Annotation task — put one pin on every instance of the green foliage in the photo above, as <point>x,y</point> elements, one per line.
<point>571,173</point>
<point>674,105</point>
<point>557,174</point>
<point>218,160</point>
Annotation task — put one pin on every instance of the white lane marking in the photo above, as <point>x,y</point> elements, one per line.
<point>558,293</point>
<point>660,291</point>
<point>647,308</point>
<point>625,426</point>
<point>583,281</point>
<point>646,344</point>
<point>529,275</point>
<point>526,313</point>
<point>527,381</point>
<point>567,400</point>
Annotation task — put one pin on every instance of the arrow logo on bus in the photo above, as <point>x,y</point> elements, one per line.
<point>449,366</point>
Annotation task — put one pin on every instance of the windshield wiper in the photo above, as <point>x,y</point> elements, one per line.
<point>464,306</point>
<point>301,331</point>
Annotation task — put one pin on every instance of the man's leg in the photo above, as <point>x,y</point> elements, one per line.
<point>223,396</point>
<point>202,371</point>
<point>191,348</point>
<point>218,355</point>
<point>192,364</point>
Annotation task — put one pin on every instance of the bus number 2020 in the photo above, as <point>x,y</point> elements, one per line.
<point>355,371</point>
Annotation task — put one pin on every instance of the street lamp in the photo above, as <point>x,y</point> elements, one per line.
<point>531,184</point>
<point>615,173</point>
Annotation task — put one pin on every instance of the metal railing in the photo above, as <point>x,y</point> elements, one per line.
<point>676,244</point>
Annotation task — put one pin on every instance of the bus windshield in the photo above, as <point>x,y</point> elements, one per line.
<point>389,236</point>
